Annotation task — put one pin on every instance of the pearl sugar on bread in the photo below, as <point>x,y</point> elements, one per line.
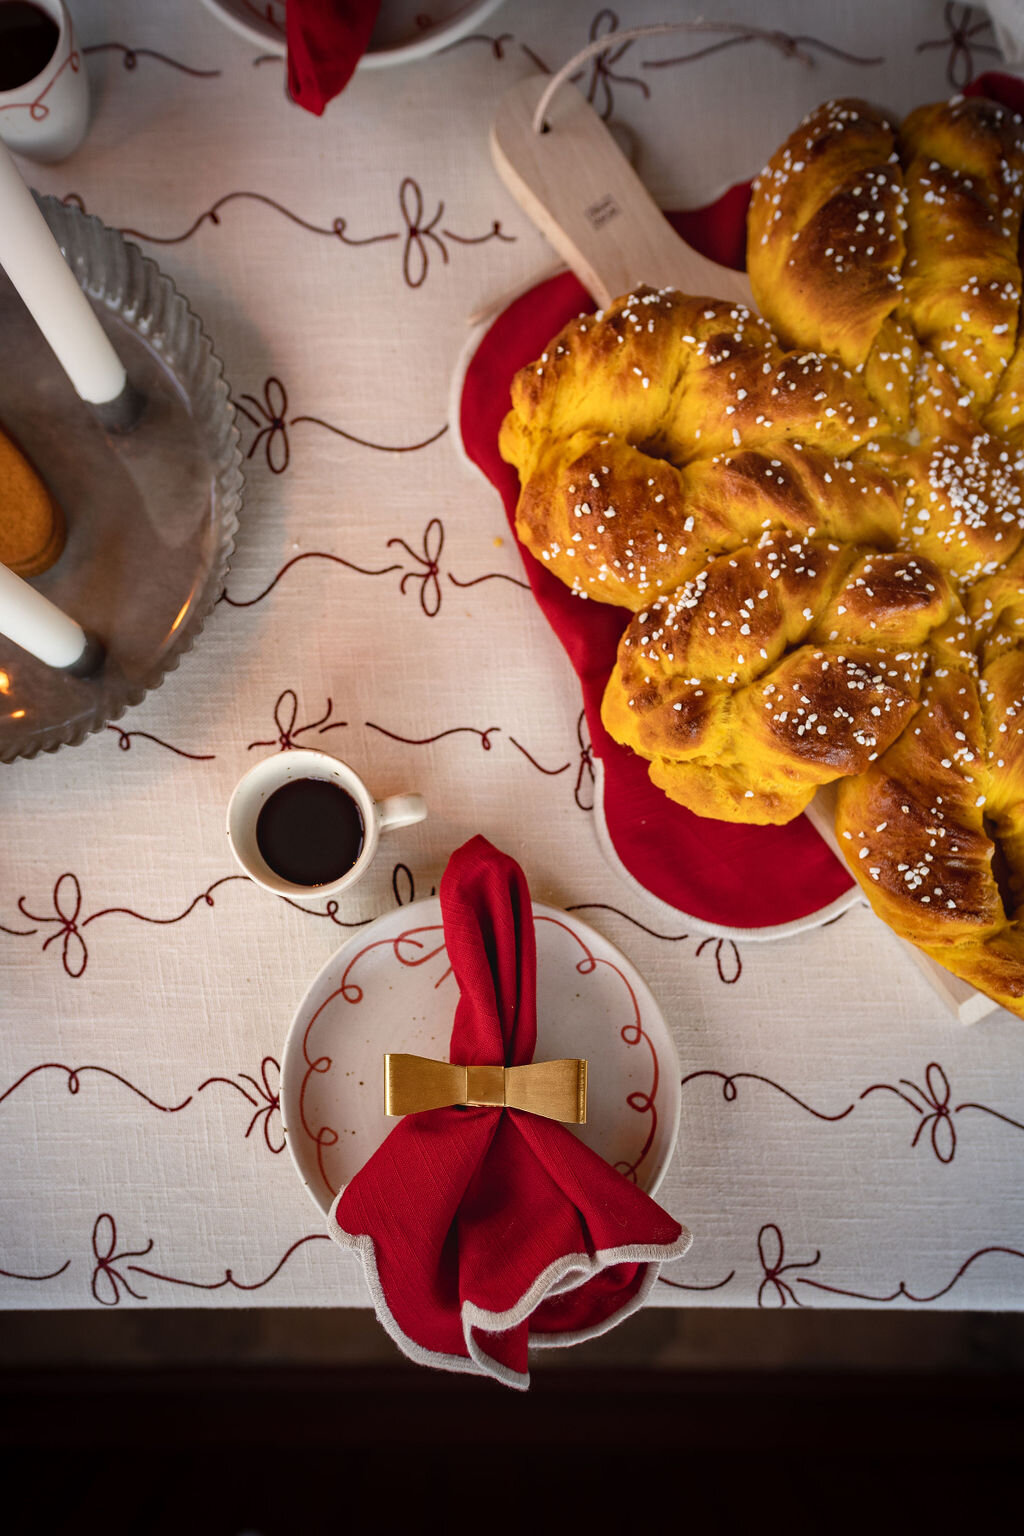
<point>816,515</point>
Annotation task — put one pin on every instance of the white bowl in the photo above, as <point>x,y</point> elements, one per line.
<point>261,23</point>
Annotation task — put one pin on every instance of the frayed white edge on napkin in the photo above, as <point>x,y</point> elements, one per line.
<point>583,1266</point>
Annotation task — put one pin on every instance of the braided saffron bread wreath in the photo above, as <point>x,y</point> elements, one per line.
<point>816,516</point>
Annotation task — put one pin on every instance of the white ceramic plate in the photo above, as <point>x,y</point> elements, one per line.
<point>389,988</point>
<point>397,37</point>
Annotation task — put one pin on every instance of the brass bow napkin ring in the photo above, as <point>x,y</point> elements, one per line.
<point>555,1089</point>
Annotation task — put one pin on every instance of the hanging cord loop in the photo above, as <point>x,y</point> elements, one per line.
<point>781,40</point>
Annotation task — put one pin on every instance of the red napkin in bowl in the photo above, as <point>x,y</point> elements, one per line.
<point>727,876</point>
<point>466,1218</point>
<point>326,40</point>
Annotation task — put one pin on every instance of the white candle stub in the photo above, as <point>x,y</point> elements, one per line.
<point>32,259</point>
<point>37,625</point>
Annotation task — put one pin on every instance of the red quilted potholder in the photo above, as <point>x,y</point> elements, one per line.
<point>723,874</point>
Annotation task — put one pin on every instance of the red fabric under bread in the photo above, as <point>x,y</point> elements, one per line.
<point>724,874</point>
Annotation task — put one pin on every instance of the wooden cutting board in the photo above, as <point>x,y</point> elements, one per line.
<point>581,192</point>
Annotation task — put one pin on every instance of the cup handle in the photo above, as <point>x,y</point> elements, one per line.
<point>401,811</point>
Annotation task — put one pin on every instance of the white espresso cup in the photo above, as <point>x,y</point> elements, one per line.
<point>46,117</point>
<point>254,790</point>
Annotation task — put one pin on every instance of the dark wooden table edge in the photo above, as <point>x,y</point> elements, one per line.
<point>976,1413</point>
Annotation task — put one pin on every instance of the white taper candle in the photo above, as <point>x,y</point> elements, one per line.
<point>31,257</point>
<point>37,625</point>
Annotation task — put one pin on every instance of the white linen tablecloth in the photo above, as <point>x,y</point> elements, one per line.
<point>843,1140</point>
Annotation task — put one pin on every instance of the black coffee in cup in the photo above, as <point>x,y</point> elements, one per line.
<point>310,831</point>
<point>28,41</point>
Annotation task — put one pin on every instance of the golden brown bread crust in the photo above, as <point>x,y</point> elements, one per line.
<point>622,526</point>
<point>863,237</point>
<point>940,816</point>
<point>31,524</point>
<point>934,832</point>
<point>825,232</point>
<point>963,499</point>
<point>671,428</point>
<point>608,519</point>
<point>964,175</point>
<point>940,203</point>
<point>958,168</point>
<point>934,829</point>
<point>741,446</point>
<point>818,517</point>
<point>592,376</point>
<point>777,668</point>
<point>682,378</point>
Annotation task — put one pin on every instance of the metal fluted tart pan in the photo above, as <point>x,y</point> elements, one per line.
<point>151,516</point>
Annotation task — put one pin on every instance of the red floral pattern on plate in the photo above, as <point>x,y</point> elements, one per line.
<point>326,1161</point>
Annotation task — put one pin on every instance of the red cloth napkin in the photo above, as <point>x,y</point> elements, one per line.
<point>466,1218</point>
<point>726,875</point>
<point>326,40</point>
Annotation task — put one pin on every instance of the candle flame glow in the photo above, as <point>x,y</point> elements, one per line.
<point>182,611</point>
